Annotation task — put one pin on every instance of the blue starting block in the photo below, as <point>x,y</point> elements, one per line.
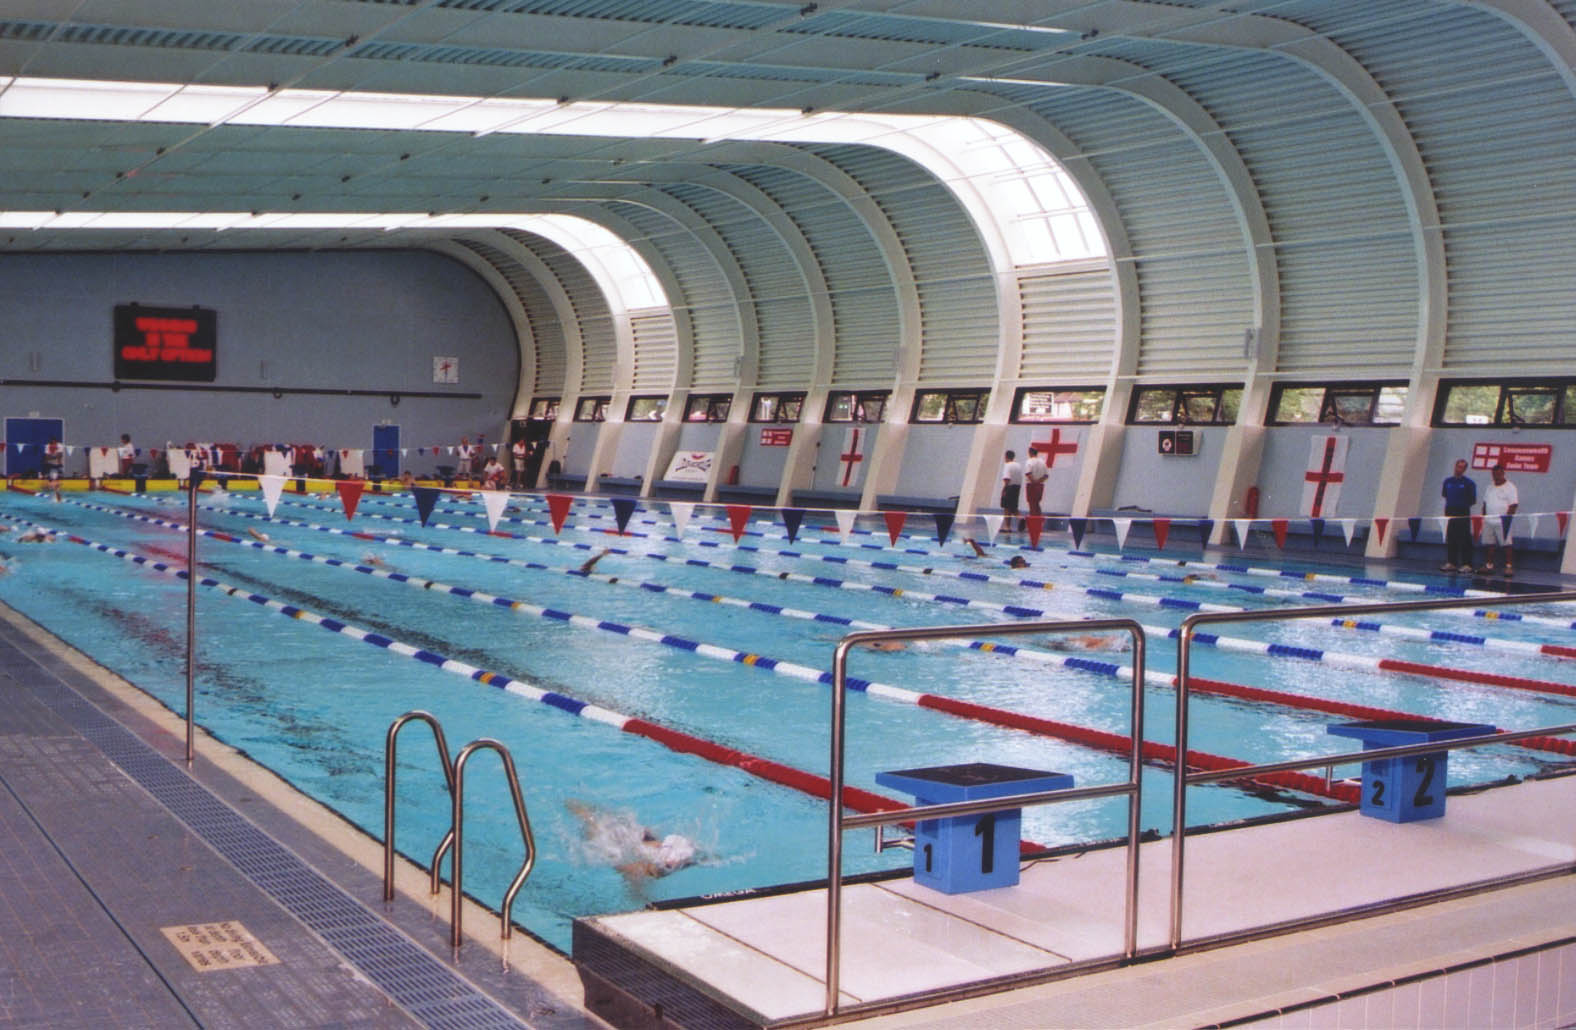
<point>971,852</point>
<point>1404,790</point>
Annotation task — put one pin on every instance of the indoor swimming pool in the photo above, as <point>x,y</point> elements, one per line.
<point>679,683</point>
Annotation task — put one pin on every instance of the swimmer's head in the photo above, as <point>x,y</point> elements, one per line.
<point>674,852</point>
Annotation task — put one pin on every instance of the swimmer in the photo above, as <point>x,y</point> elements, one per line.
<point>635,850</point>
<point>36,535</point>
<point>979,552</point>
<point>1088,642</point>
<point>257,534</point>
<point>1194,577</point>
<point>886,645</point>
<point>590,563</point>
<point>373,560</point>
<point>1017,561</point>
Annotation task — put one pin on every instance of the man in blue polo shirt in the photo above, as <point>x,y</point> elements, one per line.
<point>1460,494</point>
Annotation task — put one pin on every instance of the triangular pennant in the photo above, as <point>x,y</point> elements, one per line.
<point>1504,524</point>
<point>1444,526</point>
<point>1318,530</point>
<point>943,527</point>
<point>272,487</point>
<point>1243,528</point>
<point>1414,524</point>
<point>558,509</point>
<point>894,523</point>
<point>494,501</point>
<point>350,495</point>
<point>1278,527</point>
<point>992,527</point>
<point>1532,525</point>
<point>1564,519</point>
<point>426,500</point>
<point>738,518</point>
<point>1036,524</point>
<point>1381,525</point>
<point>1162,530</point>
<point>681,512</point>
<point>1206,530</point>
<point>1348,527</point>
<point>1477,526</point>
<point>1078,527</point>
<point>1121,526</point>
<point>845,523</point>
<point>623,508</point>
<point>792,518</point>
<point>69,448</point>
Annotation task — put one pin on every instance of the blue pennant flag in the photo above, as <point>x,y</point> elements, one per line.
<point>1414,524</point>
<point>1318,530</point>
<point>426,500</point>
<point>792,517</point>
<point>1206,529</point>
<point>1078,527</point>
<point>943,527</point>
<point>623,508</point>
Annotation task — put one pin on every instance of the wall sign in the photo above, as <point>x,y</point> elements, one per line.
<point>1174,442</point>
<point>445,370</point>
<point>1517,457</point>
<point>776,437</point>
<point>166,343</point>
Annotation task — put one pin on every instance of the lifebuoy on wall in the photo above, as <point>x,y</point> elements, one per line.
<point>1250,503</point>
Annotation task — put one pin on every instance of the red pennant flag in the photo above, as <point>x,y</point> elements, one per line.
<point>1564,519</point>
<point>1162,530</point>
<point>1036,523</point>
<point>350,495</point>
<point>894,521</point>
<point>1381,525</point>
<point>558,509</point>
<point>1477,526</point>
<point>1279,528</point>
<point>738,518</point>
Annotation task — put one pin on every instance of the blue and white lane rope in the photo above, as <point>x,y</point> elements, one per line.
<point>1336,659</point>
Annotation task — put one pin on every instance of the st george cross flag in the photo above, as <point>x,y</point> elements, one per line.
<point>850,460</point>
<point>1321,487</point>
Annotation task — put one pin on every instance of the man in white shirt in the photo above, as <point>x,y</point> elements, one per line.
<point>1035,473</point>
<point>1011,487</point>
<point>1500,501</point>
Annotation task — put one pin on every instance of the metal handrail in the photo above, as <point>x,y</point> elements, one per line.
<point>389,743</point>
<point>1185,779</point>
<point>457,828</point>
<point>839,822</point>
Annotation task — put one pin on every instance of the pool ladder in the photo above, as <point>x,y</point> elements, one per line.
<point>454,776</point>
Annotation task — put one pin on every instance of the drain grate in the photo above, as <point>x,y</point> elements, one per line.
<point>417,981</point>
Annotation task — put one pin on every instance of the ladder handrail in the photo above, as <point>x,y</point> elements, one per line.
<point>389,745</point>
<point>456,830</point>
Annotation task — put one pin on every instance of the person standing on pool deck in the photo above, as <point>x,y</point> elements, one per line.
<point>1035,473</point>
<point>1500,501</point>
<point>1460,494</point>
<point>1011,486</point>
<point>126,453</point>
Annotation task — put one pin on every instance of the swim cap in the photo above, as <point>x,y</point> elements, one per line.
<point>675,852</point>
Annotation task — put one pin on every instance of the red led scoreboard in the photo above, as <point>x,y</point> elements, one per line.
<point>166,343</point>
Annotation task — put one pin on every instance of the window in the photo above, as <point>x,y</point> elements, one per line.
<point>777,407</point>
<point>646,409</point>
<point>1350,404</point>
<point>592,409</point>
<point>1078,404</point>
<point>1212,405</point>
<point>960,406</point>
<point>544,409</point>
<point>1510,402</point>
<point>856,406</point>
<point>707,407</point>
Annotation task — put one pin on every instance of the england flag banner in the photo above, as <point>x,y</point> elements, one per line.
<point>1321,484</point>
<point>690,466</point>
<point>850,460</point>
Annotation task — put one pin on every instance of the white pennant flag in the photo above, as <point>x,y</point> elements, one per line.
<point>1444,523</point>
<point>1243,527</point>
<point>1532,525</point>
<point>992,527</point>
<point>1121,526</point>
<point>272,487</point>
<point>69,448</point>
<point>845,523</point>
<point>404,452</point>
<point>1348,526</point>
<point>494,501</point>
<point>681,512</point>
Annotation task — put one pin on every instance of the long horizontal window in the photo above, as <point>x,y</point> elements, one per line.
<point>708,407</point>
<point>1065,404</point>
<point>1349,404</point>
<point>776,407</point>
<point>856,405</point>
<point>1506,402</point>
<point>1202,405</point>
<point>646,409</point>
<point>952,406</point>
<point>592,409</point>
<point>544,409</point>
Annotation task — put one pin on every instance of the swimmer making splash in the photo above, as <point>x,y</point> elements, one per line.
<point>590,563</point>
<point>634,849</point>
<point>257,534</point>
<point>36,535</point>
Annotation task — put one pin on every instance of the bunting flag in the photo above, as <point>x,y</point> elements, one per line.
<point>1318,530</point>
<point>894,523</point>
<point>558,509</point>
<point>1414,524</point>
<point>992,527</point>
<point>272,487</point>
<point>943,528</point>
<point>1477,526</point>
<point>1348,528</point>
<point>1162,530</point>
<point>623,508</point>
<point>494,501</point>
<point>1036,524</point>
<point>1077,527</point>
<point>1532,526</point>
<point>1381,525</point>
<point>792,518</point>
<point>1243,528</point>
<point>845,523</point>
<point>1564,519</point>
<point>1444,526</point>
<point>349,495</point>
<point>426,500</point>
<point>681,512</point>
<point>1206,530</point>
<point>738,518</point>
<point>1504,524</point>
<point>69,448</point>
<point>1121,526</point>
<point>1278,527</point>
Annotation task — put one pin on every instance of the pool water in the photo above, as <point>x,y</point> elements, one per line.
<point>314,706</point>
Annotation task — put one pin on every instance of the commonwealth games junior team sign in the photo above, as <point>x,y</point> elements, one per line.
<point>166,343</point>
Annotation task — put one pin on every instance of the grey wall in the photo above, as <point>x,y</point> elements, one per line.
<point>1169,485</point>
<point>360,320</point>
<point>1286,460</point>
<point>934,460</point>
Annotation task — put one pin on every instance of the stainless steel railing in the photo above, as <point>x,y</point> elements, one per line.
<point>838,821</point>
<point>1185,779</point>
